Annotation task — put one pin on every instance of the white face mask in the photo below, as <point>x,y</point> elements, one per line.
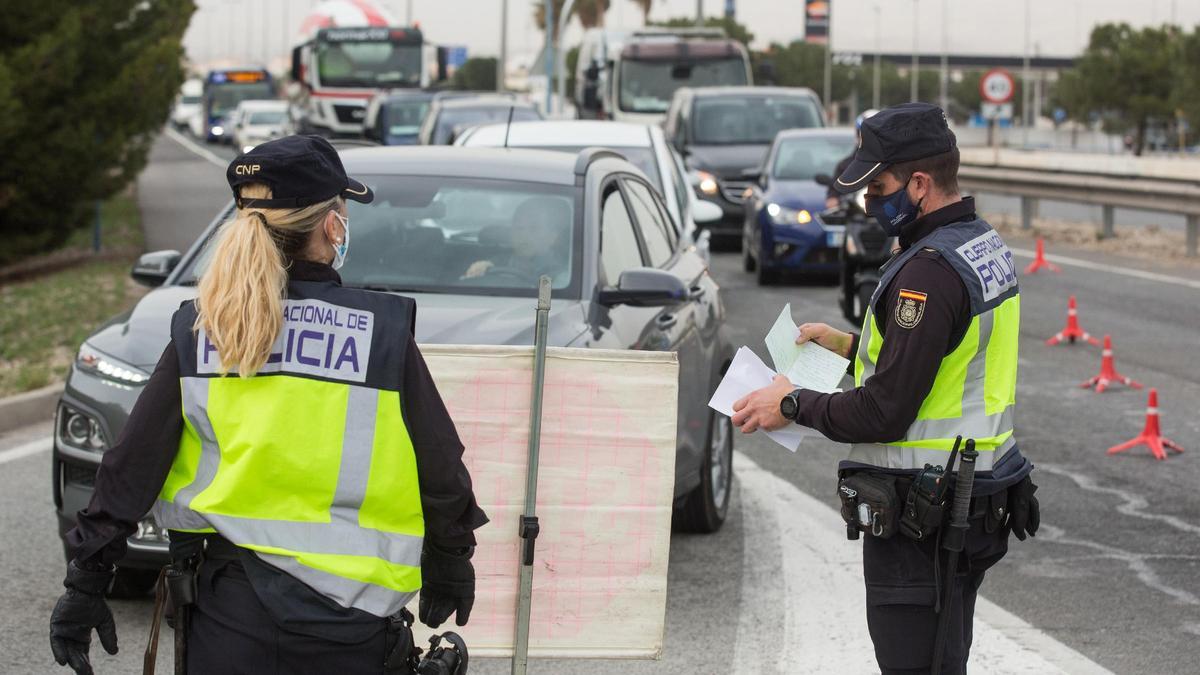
<point>339,250</point>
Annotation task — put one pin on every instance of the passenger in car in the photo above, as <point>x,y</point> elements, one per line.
<point>539,238</point>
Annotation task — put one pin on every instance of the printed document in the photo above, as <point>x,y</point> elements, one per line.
<point>748,373</point>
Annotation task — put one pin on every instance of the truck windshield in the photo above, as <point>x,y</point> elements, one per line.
<point>223,98</point>
<point>369,64</point>
<point>648,86</point>
<point>727,120</point>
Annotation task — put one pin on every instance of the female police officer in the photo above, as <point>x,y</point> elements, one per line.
<point>292,431</point>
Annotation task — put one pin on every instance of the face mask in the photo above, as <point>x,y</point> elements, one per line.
<point>339,250</point>
<point>894,211</point>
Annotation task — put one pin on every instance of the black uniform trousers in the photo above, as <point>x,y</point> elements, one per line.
<point>902,594</point>
<point>233,633</point>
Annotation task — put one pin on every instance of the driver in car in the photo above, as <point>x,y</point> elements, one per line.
<point>536,238</point>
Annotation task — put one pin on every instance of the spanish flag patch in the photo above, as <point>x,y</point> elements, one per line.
<point>910,307</point>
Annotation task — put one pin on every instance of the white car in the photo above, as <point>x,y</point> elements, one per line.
<point>256,122</point>
<point>187,104</point>
<point>644,146</point>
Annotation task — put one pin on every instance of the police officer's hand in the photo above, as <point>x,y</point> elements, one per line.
<point>760,409</point>
<point>447,584</point>
<point>1024,513</point>
<point>827,336</point>
<point>80,610</point>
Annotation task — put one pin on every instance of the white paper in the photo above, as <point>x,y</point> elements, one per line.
<point>747,373</point>
<point>809,365</point>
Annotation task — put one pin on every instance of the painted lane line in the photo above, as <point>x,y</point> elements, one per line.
<point>27,449</point>
<point>1114,269</point>
<point>1133,503</point>
<point>191,146</point>
<point>816,588</point>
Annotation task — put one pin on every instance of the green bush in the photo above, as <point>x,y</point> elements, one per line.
<point>83,88</point>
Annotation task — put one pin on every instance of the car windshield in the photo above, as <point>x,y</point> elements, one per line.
<point>804,158</point>
<point>456,119</point>
<point>642,158</point>
<point>190,100</point>
<point>648,86</point>
<point>403,118</point>
<point>369,64</point>
<point>728,120</point>
<point>267,117</point>
<point>225,97</point>
<point>465,236</point>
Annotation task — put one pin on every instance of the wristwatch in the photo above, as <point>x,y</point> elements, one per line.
<point>789,406</point>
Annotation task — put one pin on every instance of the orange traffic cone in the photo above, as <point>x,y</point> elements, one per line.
<point>1108,372</point>
<point>1039,260</point>
<point>1150,436</point>
<point>1072,332</point>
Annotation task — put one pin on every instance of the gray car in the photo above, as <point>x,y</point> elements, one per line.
<point>466,232</point>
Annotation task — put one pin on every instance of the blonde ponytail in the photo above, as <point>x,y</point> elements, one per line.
<point>240,300</point>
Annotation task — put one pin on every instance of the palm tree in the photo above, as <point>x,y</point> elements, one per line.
<point>645,6</point>
<point>589,12</point>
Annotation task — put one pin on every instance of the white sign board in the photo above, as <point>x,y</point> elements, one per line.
<point>605,487</point>
<point>996,111</point>
<point>997,86</point>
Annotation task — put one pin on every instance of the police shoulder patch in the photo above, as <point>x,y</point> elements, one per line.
<point>910,307</point>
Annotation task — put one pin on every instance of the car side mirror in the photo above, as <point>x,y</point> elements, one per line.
<point>704,211</point>
<point>645,287</point>
<point>823,179</point>
<point>152,269</point>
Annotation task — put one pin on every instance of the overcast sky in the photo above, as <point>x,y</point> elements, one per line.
<point>264,30</point>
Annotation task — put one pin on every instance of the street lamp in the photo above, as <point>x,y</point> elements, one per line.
<point>912,76</point>
<point>875,83</point>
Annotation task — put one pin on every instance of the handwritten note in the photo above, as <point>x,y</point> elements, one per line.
<point>809,365</point>
<point>747,373</point>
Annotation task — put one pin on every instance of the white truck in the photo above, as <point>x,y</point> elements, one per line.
<point>337,69</point>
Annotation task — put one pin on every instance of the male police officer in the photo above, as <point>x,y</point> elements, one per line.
<point>937,358</point>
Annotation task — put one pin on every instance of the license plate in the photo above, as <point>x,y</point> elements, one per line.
<point>834,239</point>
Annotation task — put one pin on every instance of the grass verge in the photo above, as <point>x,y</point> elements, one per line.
<point>46,318</point>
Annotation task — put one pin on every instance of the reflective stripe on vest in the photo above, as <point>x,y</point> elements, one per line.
<point>974,391</point>
<point>317,477</point>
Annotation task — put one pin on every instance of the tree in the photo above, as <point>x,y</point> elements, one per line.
<point>475,74</point>
<point>84,86</point>
<point>589,12</point>
<point>1128,76</point>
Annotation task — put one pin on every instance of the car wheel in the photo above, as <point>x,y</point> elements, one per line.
<point>704,509</point>
<point>748,262</point>
<point>767,276</point>
<point>129,584</point>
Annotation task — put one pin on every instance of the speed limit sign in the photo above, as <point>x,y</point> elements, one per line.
<point>997,86</point>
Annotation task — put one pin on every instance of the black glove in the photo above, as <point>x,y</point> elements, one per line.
<point>1024,514</point>
<point>447,584</point>
<point>78,611</point>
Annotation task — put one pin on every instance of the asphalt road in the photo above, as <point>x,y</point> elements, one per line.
<point>1112,574</point>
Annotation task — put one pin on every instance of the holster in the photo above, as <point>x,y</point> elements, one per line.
<point>174,597</point>
<point>870,504</point>
<point>402,653</point>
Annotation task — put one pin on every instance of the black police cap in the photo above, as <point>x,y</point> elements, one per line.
<point>300,170</point>
<point>901,133</point>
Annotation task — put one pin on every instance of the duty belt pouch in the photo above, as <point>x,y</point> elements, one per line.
<point>923,507</point>
<point>869,504</point>
<point>402,651</point>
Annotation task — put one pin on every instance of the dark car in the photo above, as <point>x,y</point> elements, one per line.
<point>724,133</point>
<point>783,230</point>
<point>395,118</point>
<point>438,212</point>
<point>448,118</point>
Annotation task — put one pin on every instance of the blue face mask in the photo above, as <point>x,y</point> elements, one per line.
<point>339,250</point>
<point>894,211</point>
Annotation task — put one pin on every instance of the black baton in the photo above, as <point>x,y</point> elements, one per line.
<point>952,540</point>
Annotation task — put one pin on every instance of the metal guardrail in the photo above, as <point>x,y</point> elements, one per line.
<point>1108,192</point>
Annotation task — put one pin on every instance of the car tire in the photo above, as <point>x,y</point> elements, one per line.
<point>704,509</point>
<point>748,262</point>
<point>129,584</point>
<point>767,276</point>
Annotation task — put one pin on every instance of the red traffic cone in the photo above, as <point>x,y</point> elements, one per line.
<point>1072,332</point>
<point>1108,372</point>
<point>1150,436</point>
<point>1039,260</point>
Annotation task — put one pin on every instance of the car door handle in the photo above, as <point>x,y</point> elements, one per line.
<point>696,292</point>
<point>665,321</point>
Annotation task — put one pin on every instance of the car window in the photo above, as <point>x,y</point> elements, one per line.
<point>641,157</point>
<point>654,228</point>
<point>804,158</point>
<point>460,118</point>
<point>730,120</point>
<point>618,244</point>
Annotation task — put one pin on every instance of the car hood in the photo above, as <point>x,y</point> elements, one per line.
<point>797,194</point>
<point>139,336</point>
<point>727,161</point>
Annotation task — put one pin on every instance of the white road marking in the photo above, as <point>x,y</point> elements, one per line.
<point>804,613</point>
<point>1114,269</point>
<point>192,147</point>
<point>25,450</point>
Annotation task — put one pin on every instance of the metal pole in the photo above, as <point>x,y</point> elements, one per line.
<point>827,93</point>
<point>501,66</point>
<point>408,14</point>
<point>96,227</point>
<point>699,12</point>
<point>944,77</point>
<point>1025,113</point>
<point>548,55</point>
<point>529,523</point>
<point>561,66</point>
<point>913,75</point>
<point>875,78</point>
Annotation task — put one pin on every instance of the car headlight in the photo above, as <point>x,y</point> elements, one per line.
<point>91,361</point>
<point>705,182</point>
<point>218,131</point>
<point>79,429</point>
<point>782,215</point>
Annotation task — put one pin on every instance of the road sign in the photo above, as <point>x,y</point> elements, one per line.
<point>997,86</point>
<point>996,111</point>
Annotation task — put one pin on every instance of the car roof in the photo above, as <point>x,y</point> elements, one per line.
<point>669,47</point>
<point>512,164</point>
<point>259,104</point>
<point>816,132</point>
<point>481,102</point>
<point>706,92</point>
<point>562,132</point>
